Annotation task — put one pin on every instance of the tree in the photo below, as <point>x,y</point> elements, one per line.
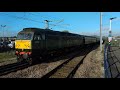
<point>65,31</point>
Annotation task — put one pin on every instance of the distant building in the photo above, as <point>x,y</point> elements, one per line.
<point>7,38</point>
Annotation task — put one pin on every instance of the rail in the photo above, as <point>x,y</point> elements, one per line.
<point>12,67</point>
<point>68,68</point>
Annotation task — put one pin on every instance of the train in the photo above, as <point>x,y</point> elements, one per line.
<point>32,42</point>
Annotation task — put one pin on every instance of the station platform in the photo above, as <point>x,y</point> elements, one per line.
<point>113,58</point>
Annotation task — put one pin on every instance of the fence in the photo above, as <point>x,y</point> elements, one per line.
<point>106,64</point>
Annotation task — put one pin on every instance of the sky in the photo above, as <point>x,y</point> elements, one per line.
<point>85,23</point>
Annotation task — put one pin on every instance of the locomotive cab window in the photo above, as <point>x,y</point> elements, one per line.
<point>28,36</point>
<point>37,37</point>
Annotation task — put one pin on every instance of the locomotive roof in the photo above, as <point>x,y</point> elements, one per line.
<point>47,30</point>
<point>32,29</point>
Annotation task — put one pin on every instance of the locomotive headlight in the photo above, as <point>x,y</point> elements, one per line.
<point>25,56</point>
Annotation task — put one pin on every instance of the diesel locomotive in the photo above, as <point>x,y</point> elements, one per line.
<point>32,42</point>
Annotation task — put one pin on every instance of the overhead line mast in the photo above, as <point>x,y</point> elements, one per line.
<point>101,31</point>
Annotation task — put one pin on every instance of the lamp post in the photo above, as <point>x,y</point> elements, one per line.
<point>3,31</point>
<point>110,29</point>
<point>111,21</point>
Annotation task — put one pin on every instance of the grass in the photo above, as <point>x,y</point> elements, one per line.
<point>114,43</point>
<point>7,55</point>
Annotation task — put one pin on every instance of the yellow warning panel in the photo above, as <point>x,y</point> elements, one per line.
<point>22,44</point>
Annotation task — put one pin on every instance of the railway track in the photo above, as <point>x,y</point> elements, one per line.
<point>12,68</point>
<point>68,68</point>
<point>6,69</point>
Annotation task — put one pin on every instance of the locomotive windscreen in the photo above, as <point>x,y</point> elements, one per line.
<point>24,36</point>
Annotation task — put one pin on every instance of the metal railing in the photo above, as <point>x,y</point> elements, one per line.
<point>106,64</point>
